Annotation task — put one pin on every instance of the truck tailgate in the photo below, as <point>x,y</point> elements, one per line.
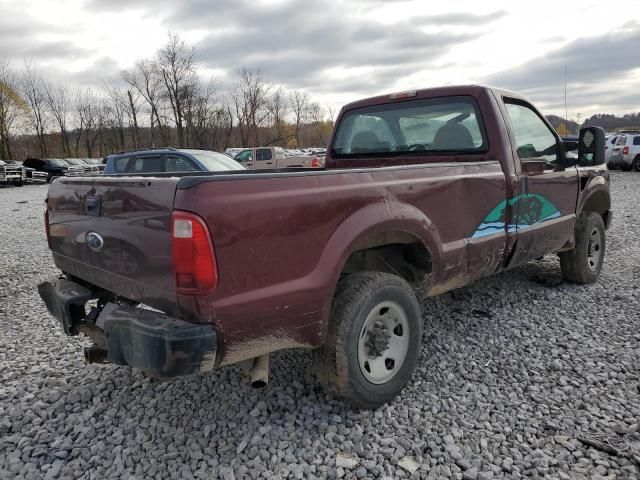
<point>115,233</point>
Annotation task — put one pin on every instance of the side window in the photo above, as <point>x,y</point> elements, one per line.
<point>245,156</point>
<point>120,164</point>
<point>533,137</point>
<point>176,163</point>
<point>263,154</point>
<point>147,164</point>
<point>636,140</point>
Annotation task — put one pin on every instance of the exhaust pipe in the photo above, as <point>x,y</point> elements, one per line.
<point>95,354</point>
<point>259,372</point>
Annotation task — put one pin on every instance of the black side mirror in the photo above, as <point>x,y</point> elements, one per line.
<point>591,146</point>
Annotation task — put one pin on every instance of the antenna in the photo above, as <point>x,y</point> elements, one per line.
<point>566,128</point>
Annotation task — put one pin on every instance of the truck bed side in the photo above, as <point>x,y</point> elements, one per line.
<point>281,240</point>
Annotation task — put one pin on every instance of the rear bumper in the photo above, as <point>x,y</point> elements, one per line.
<point>621,160</point>
<point>160,345</point>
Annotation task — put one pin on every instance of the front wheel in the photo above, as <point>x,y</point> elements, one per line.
<point>584,262</point>
<point>374,339</point>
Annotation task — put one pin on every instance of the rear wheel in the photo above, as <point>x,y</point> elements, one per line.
<point>584,262</point>
<point>636,164</point>
<point>374,339</point>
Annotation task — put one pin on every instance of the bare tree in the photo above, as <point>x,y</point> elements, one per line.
<point>277,107</point>
<point>115,111</point>
<point>57,97</point>
<point>299,101</point>
<point>177,66</point>
<point>134,107</point>
<point>89,120</point>
<point>250,101</point>
<point>33,90</point>
<point>11,106</point>
<point>144,79</point>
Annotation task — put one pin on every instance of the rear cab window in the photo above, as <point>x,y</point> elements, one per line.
<point>414,127</point>
<point>263,154</point>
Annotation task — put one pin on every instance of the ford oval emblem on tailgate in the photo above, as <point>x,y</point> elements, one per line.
<point>94,241</point>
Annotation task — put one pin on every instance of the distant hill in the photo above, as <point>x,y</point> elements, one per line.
<point>559,124</point>
<point>609,122</point>
<point>612,123</point>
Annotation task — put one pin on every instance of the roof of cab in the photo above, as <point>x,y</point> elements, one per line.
<point>450,90</point>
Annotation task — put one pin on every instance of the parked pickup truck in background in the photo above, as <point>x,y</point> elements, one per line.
<point>53,167</point>
<point>12,174</point>
<point>423,192</point>
<point>275,157</point>
<point>31,174</point>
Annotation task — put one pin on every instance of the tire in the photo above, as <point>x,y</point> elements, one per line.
<point>584,262</point>
<point>18,184</point>
<point>365,308</point>
<point>636,164</point>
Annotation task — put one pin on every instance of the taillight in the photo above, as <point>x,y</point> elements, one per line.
<point>625,150</point>
<point>194,262</point>
<point>46,227</point>
<point>315,163</point>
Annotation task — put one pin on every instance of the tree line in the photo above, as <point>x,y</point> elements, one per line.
<point>160,101</point>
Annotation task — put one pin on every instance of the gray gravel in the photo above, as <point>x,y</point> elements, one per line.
<point>515,370</point>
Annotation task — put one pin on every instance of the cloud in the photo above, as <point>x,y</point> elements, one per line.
<point>598,68</point>
<point>321,45</point>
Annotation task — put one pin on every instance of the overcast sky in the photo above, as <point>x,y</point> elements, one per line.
<point>341,51</point>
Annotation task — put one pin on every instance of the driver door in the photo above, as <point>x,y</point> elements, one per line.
<point>245,157</point>
<point>545,205</point>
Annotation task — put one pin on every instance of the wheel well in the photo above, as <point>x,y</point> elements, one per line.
<point>396,252</point>
<point>600,203</point>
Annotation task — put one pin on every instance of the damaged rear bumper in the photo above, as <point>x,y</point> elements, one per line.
<point>160,345</point>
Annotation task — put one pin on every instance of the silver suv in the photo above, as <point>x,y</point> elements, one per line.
<point>626,153</point>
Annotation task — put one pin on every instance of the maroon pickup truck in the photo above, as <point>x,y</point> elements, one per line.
<point>423,192</point>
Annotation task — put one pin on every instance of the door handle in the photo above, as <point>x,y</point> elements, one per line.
<point>269,163</point>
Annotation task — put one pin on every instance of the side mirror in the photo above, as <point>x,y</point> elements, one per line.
<point>591,146</point>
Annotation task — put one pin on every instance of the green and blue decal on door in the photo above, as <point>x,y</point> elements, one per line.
<point>531,209</point>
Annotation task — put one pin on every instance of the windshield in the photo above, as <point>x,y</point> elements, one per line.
<point>215,162</point>
<point>93,161</point>
<point>417,126</point>
<point>58,163</point>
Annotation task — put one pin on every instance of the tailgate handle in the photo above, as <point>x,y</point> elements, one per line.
<point>94,206</point>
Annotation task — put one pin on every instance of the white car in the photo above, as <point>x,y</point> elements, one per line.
<point>609,144</point>
<point>626,152</point>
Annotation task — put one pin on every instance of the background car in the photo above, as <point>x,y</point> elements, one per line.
<point>53,167</point>
<point>609,145</point>
<point>169,160</point>
<point>31,174</point>
<point>626,153</point>
<point>11,173</point>
<point>78,162</point>
<point>95,162</point>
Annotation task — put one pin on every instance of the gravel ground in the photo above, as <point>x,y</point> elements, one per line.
<point>515,370</point>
